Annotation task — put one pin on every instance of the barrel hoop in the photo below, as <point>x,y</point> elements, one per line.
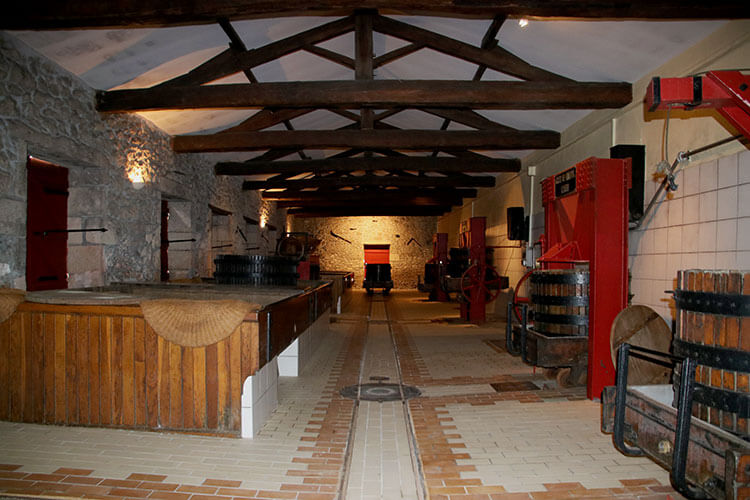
<point>713,303</point>
<point>560,278</point>
<point>713,357</point>
<point>561,319</point>
<point>721,399</point>
<point>556,300</point>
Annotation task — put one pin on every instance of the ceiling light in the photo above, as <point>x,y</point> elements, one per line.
<point>523,22</point>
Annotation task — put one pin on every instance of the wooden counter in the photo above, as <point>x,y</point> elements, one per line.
<point>103,365</point>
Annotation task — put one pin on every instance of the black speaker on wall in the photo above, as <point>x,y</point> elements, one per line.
<point>518,225</point>
<point>637,154</point>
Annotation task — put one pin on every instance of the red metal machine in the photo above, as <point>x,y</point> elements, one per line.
<point>439,265</point>
<point>586,220</point>
<point>726,91</point>
<point>480,283</point>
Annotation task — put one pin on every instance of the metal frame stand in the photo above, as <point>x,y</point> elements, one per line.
<point>684,413</point>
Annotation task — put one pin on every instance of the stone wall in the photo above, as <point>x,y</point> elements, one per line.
<point>410,240</point>
<point>48,113</point>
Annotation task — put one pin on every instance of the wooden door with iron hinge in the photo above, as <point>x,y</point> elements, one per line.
<point>46,226</point>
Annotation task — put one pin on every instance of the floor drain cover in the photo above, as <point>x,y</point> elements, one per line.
<point>380,392</point>
<point>515,386</point>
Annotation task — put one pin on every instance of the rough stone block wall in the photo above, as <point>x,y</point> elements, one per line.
<point>410,240</point>
<point>49,113</point>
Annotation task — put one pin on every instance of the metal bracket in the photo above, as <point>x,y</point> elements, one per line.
<point>51,231</point>
<point>524,327</point>
<point>684,415</point>
<point>682,432</point>
<point>713,303</point>
<point>621,382</point>
<point>509,332</point>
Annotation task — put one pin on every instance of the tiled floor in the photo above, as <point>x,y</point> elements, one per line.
<point>461,440</point>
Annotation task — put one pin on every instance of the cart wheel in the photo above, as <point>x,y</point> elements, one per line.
<point>369,291</point>
<point>386,291</point>
<point>474,281</point>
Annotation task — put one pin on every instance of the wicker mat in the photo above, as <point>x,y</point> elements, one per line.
<point>195,323</point>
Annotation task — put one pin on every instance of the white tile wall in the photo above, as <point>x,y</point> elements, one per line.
<point>705,224</point>
<point>691,209</point>
<point>691,181</point>
<point>295,357</point>
<point>260,397</point>
<point>727,203</point>
<point>708,176</point>
<point>707,206</point>
<point>675,212</point>
<point>728,171</point>
<point>743,168</point>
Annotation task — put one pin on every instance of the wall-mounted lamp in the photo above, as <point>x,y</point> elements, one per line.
<point>137,167</point>
<point>137,179</point>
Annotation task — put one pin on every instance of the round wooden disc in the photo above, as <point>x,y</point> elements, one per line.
<point>642,326</point>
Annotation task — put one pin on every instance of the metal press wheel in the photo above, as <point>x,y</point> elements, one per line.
<point>474,281</point>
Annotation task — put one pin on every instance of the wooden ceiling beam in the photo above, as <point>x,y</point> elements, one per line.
<point>383,200</point>
<point>276,153</point>
<point>489,41</point>
<point>411,140</point>
<point>236,44</point>
<point>53,14</point>
<point>467,117</point>
<point>232,61</point>
<point>268,118</point>
<point>330,55</point>
<point>396,54</point>
<point>374,180</point>
<point>414,163</point>
<point>495,57</point>
<point>374,94</point>
<point>356,195</point>
<point>359,211</point>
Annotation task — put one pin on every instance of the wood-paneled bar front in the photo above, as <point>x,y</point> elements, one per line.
<point>103,365</point>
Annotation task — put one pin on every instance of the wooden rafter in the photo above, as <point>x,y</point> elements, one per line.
<point>416,163</point>
<point>230,61</point>
<point>374,94</point>
<point>467,117</point>
<point>489,41</point>
<point>396,54</point>
<point>354,211</point>
<point>495,57</point>
<point>53,14</point>
<point>385,199</point>
<point>268,118</point>
<point>375,180</point>
<point>414,140</point>
<point>367,194</point>
<point>330,55</point>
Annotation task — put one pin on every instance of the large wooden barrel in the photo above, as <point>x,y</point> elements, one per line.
<point>560,301</point>
<point>713,327</point>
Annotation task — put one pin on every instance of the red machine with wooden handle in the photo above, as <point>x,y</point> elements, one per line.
<point>586,221</point>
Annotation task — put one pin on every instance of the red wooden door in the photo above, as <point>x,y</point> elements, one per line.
<point>46,226</point>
